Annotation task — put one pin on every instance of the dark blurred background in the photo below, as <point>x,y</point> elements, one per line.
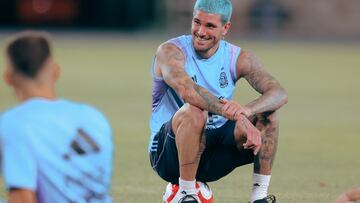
<point>320,18</point>
<point>103,14</point>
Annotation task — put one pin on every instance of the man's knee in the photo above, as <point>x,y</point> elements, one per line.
<point>268,119</point>
<point>189,116</point>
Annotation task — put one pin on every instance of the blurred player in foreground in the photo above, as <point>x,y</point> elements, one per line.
<point>52,149</point>
<point>197,131</point>
<point>349,196</point>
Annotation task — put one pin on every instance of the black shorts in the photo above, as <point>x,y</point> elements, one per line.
<point>220,157</point>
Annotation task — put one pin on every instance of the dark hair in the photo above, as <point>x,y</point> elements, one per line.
<point>28,52</point>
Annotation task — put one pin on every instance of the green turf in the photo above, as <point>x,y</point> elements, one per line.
<point>318,154</point>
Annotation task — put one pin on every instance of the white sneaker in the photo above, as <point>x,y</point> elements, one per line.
<point>173,195</point>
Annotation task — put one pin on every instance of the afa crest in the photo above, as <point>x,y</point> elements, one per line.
<point>223,80</point>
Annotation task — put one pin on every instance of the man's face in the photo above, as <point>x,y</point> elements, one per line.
<point>207,30</point>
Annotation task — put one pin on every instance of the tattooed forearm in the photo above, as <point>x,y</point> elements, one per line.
<point>195,94</point>
<point>210,102</point>
<point>270,101</point>
<point>273,94</point>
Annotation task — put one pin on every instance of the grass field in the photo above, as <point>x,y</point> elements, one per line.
<point>319,147</point>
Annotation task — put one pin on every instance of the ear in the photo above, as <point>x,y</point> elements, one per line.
<point>57,71</point>
<point>8,76</point>
<point>226,28</point>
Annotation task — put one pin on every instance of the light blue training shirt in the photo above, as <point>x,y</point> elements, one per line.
<point>217,74</point>
<point>59,149</point>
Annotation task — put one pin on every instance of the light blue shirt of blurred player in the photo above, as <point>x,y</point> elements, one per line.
<point>59,149</point>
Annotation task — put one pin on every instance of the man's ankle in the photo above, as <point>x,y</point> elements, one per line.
<point>189,186</point>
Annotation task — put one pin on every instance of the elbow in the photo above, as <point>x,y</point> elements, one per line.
<point>188,95</point>
<point>284,97</point>
<point>281,97</point>
<point>184,94</point>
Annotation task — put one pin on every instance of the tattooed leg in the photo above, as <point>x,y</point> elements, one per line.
<point>268,124</point>
<point>188,125</point>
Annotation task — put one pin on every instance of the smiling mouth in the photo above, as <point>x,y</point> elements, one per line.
<point>201,39</point>
<point>198,39</point>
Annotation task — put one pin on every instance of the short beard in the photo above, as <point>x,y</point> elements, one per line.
<point>206,50</point>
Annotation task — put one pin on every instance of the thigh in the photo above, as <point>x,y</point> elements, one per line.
<point>165,159</point>
<point>219,162</point>
<point>223,136</point>
<point>221,155</point>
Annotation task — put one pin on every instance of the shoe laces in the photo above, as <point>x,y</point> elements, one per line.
<point>271,199</point>
<point>268,199</point>
<point>188,198</point>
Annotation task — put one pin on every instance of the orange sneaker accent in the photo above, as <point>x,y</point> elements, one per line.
<point>174,190</point>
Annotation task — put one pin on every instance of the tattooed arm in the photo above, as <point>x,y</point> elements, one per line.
<point>273,94</point>
<point>169,64</point>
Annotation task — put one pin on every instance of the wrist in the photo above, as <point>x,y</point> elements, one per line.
<point>247,112</point>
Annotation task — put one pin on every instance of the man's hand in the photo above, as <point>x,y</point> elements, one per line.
<point>351,195</point>
<point>342,199</point>
<point>253,136</point>
<point>234,110</point>
<point>19,195</point>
